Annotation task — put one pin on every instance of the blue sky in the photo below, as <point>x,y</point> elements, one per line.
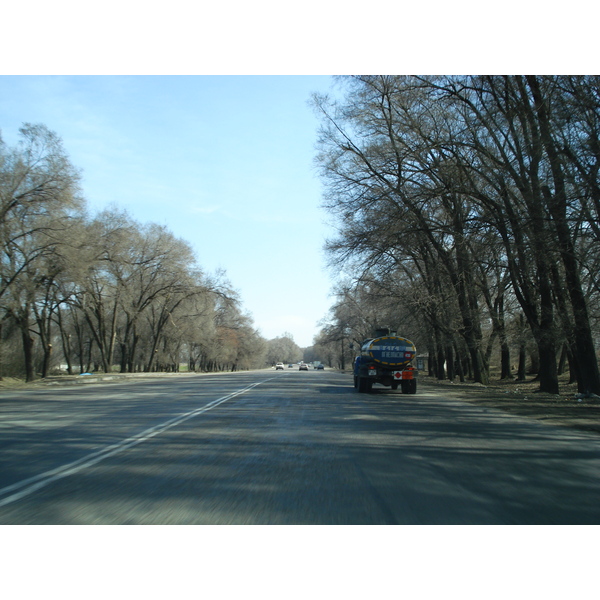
<point>225,162</point>
<point>224,159</point>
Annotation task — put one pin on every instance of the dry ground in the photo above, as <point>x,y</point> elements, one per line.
<point>523,398</point>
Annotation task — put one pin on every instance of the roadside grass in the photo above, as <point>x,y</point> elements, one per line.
<point>524,398</point>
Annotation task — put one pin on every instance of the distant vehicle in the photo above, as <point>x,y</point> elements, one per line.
<point>320,367</point>
<point>386,360</point>
<point>290,366</point>
<point>303,367</point>
<point>279,366</point>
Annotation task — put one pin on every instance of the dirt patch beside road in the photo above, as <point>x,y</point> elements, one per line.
<point>522,398</point>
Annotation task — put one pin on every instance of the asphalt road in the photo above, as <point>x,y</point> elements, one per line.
<point>284,447</point>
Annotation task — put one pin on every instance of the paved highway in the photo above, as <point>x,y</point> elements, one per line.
<point>289,447</point>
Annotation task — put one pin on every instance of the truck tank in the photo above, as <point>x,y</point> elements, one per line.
<point>390,351</point>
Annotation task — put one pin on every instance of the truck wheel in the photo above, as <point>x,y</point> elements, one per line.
<point>409,386</point>
<point>395,385</point>
<point>360,385</point>
<point>364,385</point>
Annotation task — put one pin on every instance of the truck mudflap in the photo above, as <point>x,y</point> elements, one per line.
<point>364,379</point>
<point>407,373</point>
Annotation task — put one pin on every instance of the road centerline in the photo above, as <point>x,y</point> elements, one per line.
<point>24,488</point>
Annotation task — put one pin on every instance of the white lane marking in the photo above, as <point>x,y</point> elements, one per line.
<point>37,482</point>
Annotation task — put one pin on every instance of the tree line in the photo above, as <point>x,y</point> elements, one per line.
<point>468,217</point>
<point>95,292</point>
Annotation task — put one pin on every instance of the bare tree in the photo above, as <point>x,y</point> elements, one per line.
<point>392,184</point>
<point>39,196</point>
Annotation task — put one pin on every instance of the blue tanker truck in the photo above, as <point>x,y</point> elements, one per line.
<point>386,359</point>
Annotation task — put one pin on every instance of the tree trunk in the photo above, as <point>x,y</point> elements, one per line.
<point>505,370</point>
<point>522,372</point>
<point>545,337</point>
<point>562,361</point>
<point>27,350</point>
<point>459,363</point>
<point>440,369</point>
<point>450,362</point>
<point>585,352</point>
<point>47,360</point>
